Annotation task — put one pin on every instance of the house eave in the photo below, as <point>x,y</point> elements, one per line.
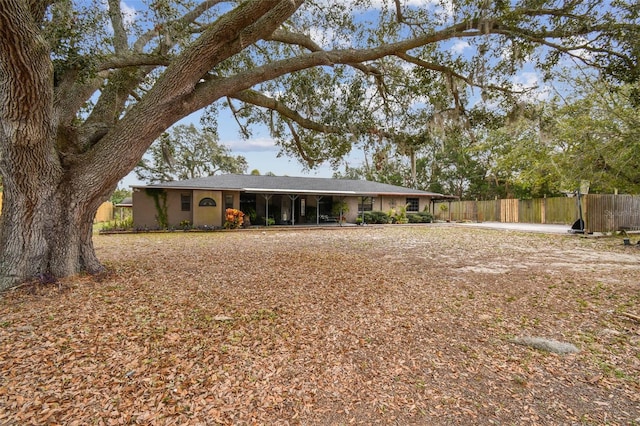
<point>295,191</point>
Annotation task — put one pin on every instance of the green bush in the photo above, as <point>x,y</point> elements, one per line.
<point>125,224</point>
<point>376,217</point>
<point>421,217</point>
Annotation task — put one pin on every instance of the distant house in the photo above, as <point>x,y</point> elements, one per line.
<point>285,200</point>
<point>123,209</point>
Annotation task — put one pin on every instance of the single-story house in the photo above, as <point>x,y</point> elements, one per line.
<point>124,208</point>
<point>282,199</point>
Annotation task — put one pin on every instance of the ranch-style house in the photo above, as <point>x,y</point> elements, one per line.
<point>284,200</point>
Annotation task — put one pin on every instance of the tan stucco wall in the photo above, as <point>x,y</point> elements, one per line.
<point>387,203</point>
<point>352,202</point>
<point>175,214</point>
<point>207,216</point>
<point>144,209</point>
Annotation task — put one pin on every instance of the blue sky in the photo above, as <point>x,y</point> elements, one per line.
<point>261,151</point>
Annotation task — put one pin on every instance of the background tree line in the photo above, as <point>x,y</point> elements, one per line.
<point>536,148</point>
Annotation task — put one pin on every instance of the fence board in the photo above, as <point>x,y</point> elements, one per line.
<point>104,213</point>
<point>488,211</point>
<point>601,212</point>
<point>561,210</point>
<point>610,213</point>
<point>509,211</point>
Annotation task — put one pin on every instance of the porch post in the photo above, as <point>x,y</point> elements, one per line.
<point>293,208</point>
<point>267,197</point>
<point>318,198</point>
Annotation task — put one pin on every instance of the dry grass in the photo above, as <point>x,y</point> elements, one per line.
<point>390,325</point>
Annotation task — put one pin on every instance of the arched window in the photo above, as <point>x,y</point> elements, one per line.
<point>207,202</point>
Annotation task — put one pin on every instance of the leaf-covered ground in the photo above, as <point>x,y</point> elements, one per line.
<point>369,325</point>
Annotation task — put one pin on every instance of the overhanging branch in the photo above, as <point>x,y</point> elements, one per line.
<point>260,100</point>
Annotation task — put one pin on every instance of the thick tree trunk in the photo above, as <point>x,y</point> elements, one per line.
<point>46,233</point>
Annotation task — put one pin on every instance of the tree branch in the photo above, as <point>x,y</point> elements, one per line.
<point>119,33</point>
<point>25,75</point>
<point>38,8</point>
<point>235,112</point>
<point>306,42</point>
<point>169,97</point>
<point>451,72</point>
<point>258,99</point>
<point>185,20</point>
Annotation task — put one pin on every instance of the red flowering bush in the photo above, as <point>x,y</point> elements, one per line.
<point>234,219</point>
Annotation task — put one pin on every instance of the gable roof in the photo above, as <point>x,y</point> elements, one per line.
<point>293,185</point>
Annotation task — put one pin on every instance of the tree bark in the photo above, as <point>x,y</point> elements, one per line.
<point>46,231</point>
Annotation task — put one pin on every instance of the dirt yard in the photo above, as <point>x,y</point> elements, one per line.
<point>395,325</point>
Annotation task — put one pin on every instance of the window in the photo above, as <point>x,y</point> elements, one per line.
<point>365,204</point>
<point>207,202</point>
<point>413,205</point>
<point>185,202</point>
<point>228,201</point>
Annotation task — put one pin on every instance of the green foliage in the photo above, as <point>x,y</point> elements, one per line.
<point>376,217</point>
<point>187,153</point>
<point>420,217</point>
<point>339,208</point>
<point>160,201</point>
<point>125,224</point>
<point>119,195</point>
<point>398,214</point>
<point>547,148</point>
<point>598,138</point>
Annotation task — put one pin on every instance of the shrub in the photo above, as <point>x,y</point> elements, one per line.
<point>376,217</point>
<point>339,208</point>
<point>398,215</point>
<point>125,224</point>
<point>421,217</point>
<point>234,219</point>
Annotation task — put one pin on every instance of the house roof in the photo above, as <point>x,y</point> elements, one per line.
<point>292,185</point>
<point>127,202</point>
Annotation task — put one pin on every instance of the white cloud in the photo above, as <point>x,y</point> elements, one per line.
<point>459,46</point>
<point>327,38</point>
<point>526,80</point>
<point>530,82</point>
<point>128,13</point>
<point>260,144</point>
<point>580,53</point>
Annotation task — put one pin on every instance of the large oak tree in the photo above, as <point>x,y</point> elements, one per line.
<point>85,89</point>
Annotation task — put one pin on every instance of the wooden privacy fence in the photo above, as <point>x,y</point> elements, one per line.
<point>104,213</point>
<point>601,212</point>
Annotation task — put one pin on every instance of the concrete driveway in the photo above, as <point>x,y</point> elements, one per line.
<point>524,227</point>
